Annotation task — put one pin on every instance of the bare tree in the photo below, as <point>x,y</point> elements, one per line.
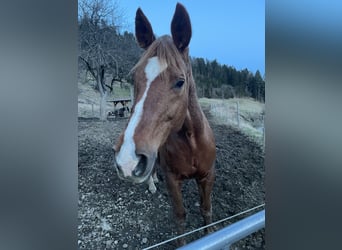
<point>99,22</point>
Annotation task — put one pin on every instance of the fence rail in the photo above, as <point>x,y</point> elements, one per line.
<point>225,237</point>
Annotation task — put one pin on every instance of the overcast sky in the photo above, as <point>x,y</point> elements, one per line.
<point>230,31</point>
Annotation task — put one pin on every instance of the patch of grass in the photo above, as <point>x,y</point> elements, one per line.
<point>119,92</point>
<point>254,133</point>
<point>206,102</point>
<point>245,104</point>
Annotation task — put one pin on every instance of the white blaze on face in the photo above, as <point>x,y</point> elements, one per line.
<point>126,157</point>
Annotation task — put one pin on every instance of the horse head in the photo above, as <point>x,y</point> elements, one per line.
<point>162,79</point>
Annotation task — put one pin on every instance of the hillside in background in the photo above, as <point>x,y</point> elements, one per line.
<point>245,114</point>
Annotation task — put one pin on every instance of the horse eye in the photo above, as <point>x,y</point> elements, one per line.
<point>179,84</point>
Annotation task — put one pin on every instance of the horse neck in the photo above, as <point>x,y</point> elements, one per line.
<point>194,120</point>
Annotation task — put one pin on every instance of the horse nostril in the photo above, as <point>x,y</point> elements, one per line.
<point>141,167</point>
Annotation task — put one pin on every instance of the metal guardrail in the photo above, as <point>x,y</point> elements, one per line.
<point>230,234</point>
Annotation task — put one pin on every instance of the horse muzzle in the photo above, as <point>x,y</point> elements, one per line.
<point>137,170</point>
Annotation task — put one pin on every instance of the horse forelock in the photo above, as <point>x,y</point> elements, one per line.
<point>167,53</point>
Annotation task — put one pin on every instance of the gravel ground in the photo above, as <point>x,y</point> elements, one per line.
<point>114,214</point>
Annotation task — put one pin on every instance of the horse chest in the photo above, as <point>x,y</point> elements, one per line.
<point>178,155</point>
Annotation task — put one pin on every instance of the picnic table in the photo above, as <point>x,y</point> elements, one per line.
<point>121,111</point>
<point>123,101</point>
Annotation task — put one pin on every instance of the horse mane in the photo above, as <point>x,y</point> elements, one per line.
<point>166,51</point>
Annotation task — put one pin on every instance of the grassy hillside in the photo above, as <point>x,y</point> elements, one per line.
<point>250,114</point>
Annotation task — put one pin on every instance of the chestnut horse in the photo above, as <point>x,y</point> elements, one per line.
<point>167,124</point>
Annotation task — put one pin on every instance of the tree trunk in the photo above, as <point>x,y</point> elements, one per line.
<point>103,106</point>
<point>103,94</point>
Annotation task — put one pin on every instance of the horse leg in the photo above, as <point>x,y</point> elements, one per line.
<point>152,180</point>
<point>205,186</point>
<point>155,177</point>
<point>151,187</point>
<point>174,187</point>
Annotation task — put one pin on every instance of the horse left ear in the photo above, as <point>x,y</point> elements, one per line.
<point>143,30</point>
<point>181,28</point>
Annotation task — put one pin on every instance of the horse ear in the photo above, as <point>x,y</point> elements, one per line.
<point>143,30</point>
<point>181,27</point>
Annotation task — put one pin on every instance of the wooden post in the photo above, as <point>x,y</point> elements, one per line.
<point>238,114</point>
<point>226,107</point>
<point>263,129</point>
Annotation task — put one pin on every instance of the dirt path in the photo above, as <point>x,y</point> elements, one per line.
<point>114,214</point>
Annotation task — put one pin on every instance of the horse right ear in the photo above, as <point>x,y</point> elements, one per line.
<point>143,30</point>
<point>181,28</point>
